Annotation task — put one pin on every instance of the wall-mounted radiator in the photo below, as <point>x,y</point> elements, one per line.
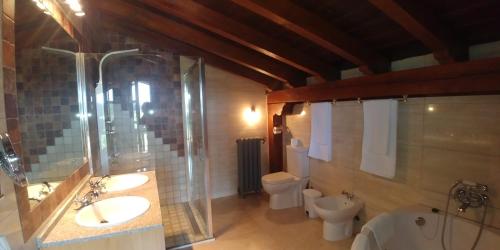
<point>249,165</point>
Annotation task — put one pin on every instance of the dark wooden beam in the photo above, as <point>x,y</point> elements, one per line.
<point>313,28</point>
<point>422,24</point>
<point>467,78</point>
<point>174,46</point>
<point>201,40</point>
<point>208,19</point>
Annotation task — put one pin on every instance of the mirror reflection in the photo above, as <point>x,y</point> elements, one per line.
<point>47,101</point>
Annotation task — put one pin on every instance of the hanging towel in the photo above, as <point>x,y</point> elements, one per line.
<point>4,245</point>
<point>379,137</point>
<point>321,131</point>
<point>382,228</point>
<point>361,242</point>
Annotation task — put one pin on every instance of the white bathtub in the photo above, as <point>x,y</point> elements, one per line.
<point>460,233</point>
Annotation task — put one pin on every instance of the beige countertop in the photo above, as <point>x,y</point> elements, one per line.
<point>67,231</point>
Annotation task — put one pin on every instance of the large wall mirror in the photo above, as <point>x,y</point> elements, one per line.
<point>50,111</point>
<point>48,108</point>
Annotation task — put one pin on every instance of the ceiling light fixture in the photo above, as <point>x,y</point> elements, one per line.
<point>42,6</point>
<point>76,7</point>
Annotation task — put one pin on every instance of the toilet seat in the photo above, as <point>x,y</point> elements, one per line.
<point>278,178</point>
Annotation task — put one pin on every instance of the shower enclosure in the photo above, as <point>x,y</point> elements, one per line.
<point>150,116</point>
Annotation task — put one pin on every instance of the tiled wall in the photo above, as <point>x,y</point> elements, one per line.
<point>159,133</point>
<point>162,76</point>
<point>457,139</point>
<point>228,97</point>
<point>170,167</point>
<point>48,108</point>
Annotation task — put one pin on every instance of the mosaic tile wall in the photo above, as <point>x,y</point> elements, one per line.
<point>153,138</point>
<point>160,70</point>
<point>48,107</point>
<point>170,167</point>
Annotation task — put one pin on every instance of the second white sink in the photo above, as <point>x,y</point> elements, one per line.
<point>112,211</point>
<point>125,181</point>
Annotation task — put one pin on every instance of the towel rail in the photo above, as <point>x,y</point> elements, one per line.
<point>360,101</point>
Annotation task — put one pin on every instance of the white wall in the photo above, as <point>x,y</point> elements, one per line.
<point>228,96</point>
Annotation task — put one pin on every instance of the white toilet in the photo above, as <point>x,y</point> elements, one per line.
<point>338,214</point>
<point>285,188</point>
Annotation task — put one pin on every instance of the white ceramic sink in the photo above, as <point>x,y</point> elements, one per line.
<point>112,211</point>
<point>124,182</point>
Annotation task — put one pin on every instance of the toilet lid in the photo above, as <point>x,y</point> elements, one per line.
<point>279,177</point>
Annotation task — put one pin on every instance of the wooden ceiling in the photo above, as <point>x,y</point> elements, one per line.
<point>280,43</point>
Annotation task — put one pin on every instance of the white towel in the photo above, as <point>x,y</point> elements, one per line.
<point>382,228</point>
<point>321,131</point>
<point>360,242</point>
<point>380,137</point>
<point>4,245</point>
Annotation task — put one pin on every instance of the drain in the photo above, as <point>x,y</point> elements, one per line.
<point>420,221</point>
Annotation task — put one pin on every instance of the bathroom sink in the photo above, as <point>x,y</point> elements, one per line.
<point>124,182</point>
<point>112,211</point>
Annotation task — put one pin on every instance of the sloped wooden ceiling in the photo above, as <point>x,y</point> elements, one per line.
<point>280,43</point>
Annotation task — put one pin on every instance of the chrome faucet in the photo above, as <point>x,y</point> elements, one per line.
<point>46,189</point>
<point>96,189</point>
<point>470,194</point>
<point>99,184</point>
<point>348,195</point>
<point>87,199</point>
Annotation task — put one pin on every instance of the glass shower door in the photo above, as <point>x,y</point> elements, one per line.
<point>193,90</point>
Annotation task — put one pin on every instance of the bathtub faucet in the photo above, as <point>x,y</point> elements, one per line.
<point>470,194</point>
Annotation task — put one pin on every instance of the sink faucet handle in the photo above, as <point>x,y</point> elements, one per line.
<point>348,195</point>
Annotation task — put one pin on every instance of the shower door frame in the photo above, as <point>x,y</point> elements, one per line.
<point>202,82</point>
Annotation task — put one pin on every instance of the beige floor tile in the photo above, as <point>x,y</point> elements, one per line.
<point>249,224</point>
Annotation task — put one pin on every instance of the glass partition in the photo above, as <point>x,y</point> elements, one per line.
<point>193,87</point>
<point>150,112</point>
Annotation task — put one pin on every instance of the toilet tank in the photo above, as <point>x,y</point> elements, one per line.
<point>297,161</point>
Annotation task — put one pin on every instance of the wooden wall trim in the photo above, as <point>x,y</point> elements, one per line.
<point>32,219</point>
<point>468,78</point>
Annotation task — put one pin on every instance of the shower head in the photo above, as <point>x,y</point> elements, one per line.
<point>114,53</point>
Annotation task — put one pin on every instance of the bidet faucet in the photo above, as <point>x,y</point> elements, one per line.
<point>348,195</point>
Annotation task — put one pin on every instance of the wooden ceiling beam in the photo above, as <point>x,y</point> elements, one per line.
<point>201,40</point>
<point>423,25</point>
<point>195,13</point>
<point>466,78</point>
<point>174,46</point>
<point>318,31</point>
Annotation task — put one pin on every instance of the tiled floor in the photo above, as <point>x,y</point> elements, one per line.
<point>180,225</point>
<point>241,224</point>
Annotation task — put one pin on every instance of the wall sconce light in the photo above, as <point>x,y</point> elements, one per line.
<point>251,115</point>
